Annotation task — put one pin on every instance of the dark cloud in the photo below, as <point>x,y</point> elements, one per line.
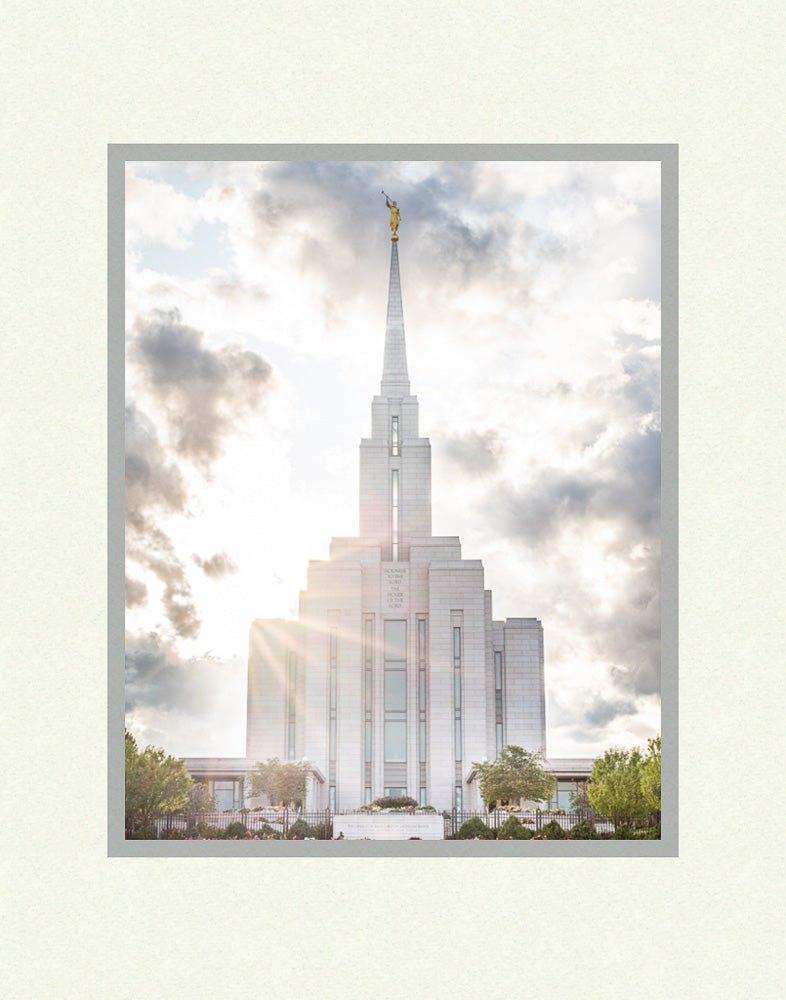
<point>477,454</point>
<point>136,593</point>
<point>155,487</point>
<point>217,566</point>
<point>602,711</point>
<point>157,676</point>
<point>199,396</point>
<point>204,393</point>
<point>626,488</point>
<point>153,483</point>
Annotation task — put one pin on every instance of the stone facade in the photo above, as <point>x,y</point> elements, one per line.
<point>395,678</point>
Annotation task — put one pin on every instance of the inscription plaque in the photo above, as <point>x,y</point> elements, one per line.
<point>390,826</point>
<point>395,588</point>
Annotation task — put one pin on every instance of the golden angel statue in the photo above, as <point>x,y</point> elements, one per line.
<point>395,218</point>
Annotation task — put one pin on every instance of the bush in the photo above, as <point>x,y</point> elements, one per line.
<point>142,833</point>
<point>206,831</point>
<point>299,830</point>
<point>624,832</point>
<point>584,830</point>
<point>235,831</point>
<point>174,834</point>
<point>394,802</point>
<point>553,831</point>
<point>324,831</point>
<point>653,833</point>
<point>475,827</point>
<point>265,830</point>
<point>512,829</point>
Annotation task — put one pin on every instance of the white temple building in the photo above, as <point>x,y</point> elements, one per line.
<point>396,677</point>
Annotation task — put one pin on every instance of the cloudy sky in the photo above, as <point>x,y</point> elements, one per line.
<point>256,296</point>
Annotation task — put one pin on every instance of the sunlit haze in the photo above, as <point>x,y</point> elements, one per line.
<point>256,297</point>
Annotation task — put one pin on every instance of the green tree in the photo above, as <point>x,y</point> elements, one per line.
<point>515,774</point>
<point>155,784</point>
<point>283,784</point>
<point>200,799</point>
<point>650,775</point>
<point>614,788</point>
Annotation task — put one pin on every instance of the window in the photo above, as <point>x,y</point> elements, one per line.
<point>422,734</point>
<point>395,691</point>
<point>333,695</point>
<point>395,793</point>
<point>394,508</point>
<point>498,697</point>
<point>292,677</point>
<point>226,794</point>
<point>368,663</point>
<point>394,436</point>
<point>457,693</point>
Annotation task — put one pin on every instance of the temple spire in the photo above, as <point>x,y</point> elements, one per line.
<point>395,380</point>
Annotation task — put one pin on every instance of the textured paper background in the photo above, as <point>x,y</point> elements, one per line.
<point>76,77</point>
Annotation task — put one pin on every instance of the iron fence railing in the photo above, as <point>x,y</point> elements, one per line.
<point>259,823</point>
<point>269,823</point>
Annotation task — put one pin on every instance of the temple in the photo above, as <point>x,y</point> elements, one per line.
<point>396,677</point>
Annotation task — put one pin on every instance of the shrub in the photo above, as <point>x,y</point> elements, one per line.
<point>174,834</point>
<point>475,827</point>
<point>584,830</point>
<point>553,831</point>
<point>653,833</point>
<point>323,831</point>
<point>511,829</point>
<point>206,831</point>
<point>624,832</point>
<point>299,830</point>
<point>235,831</point>
<point>142,833</point>
<point>265,829</point>
<point>394,802</point>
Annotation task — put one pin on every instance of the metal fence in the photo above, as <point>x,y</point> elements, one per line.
<point>534,820</point>
<point>264,824</point>
<point>295,825</point>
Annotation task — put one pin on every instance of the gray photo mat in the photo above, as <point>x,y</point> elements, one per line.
<point>121,153</point>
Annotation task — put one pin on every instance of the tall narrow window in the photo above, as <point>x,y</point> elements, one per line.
<point>457,691</point>
<point>368,663</point>
<point>292,684</point>
<point>395,691</point>
<point>498,697</point>
<point>333,702</point>
<point>422,744</point>
<point>394,436</point>
<point>394,506</point>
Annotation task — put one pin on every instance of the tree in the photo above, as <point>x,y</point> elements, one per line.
<point>200,799</point>
<point>615,786</point>
<point>650,775</point>
<point>283,784</point>
<point>155,784</point>
<point>515,774</point>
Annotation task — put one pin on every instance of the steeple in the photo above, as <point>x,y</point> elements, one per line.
<point>395,380</point>
<point>395,462</point>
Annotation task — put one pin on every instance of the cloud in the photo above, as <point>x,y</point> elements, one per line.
<point>531,302</point>
<point>478,454</point>
<point>199,397</point>
<point>217,566</point>
<point>203,393</point>
<point>189,705</point>
<point>136,593</point>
